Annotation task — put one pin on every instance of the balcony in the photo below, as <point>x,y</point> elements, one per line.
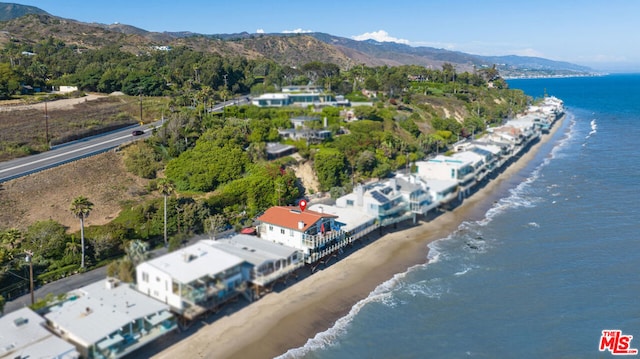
<point>313,241</point>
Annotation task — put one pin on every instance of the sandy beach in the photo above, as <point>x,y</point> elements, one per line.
<point>286,319</point>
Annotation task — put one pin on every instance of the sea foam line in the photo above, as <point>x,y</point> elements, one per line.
<point>594,128</point>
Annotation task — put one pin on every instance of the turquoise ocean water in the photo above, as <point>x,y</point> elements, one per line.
<point>551,264</point>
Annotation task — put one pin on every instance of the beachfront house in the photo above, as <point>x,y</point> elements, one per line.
<point>529,127</point>
<point>415,192</point>
<point>443,192</point>
<point>109,319</point>
<point>316,234</point>
<point>459,168</point>
<point>383,200</point>
<point>356,222</point>
<point>264,262</point>
<point>194,279</point>
<point>23,335</point>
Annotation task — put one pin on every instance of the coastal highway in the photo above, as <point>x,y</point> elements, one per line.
<point>71,151</point>
<point>86,147</point>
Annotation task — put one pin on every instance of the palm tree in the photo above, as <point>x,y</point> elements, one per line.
<point>81,208</point>
<point>166,188</point>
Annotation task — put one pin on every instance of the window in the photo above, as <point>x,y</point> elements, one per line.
<point>350,202</point>
<point>291,232</point>
<point>271,228</point>
<point>145,277</point>
<point>281,230</point>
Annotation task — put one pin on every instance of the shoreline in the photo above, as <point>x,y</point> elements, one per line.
<point>287,318</point>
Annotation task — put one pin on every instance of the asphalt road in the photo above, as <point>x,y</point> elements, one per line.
<point>70,152</point>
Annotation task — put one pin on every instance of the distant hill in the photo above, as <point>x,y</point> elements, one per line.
<point>30,24</point>
<point>10,11</point>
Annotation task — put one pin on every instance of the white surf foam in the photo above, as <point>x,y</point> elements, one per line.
<point>463,272</point>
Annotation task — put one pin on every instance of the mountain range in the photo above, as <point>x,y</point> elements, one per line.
<point>28,24</point>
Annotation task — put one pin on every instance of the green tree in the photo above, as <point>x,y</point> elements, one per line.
<point>47,239</point>
<point>9,80</point>
<point>215,224</point>
<point>141,159</point>
<point>330,165</point>
<point>137,251</point>
<point>81,207</point>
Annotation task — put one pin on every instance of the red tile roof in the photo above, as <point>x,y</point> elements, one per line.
<point>289,217</point>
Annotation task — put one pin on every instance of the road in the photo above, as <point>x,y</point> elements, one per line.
<point>86,147</point>
<point>70,152</point>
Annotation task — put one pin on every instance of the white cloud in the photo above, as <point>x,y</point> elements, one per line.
<point>527,52</point>
<point>260,31</point>
<point>296,31</point>
<point>381,36</point>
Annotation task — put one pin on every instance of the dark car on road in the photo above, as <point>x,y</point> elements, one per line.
<point>137,132</point>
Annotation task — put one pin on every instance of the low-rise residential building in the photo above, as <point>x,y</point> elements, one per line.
<point>302,88</point>
<point>302,99</point>
<point>23,335</point>
<point>271,100</point>
<point>383,200</point>
<point>415,191</point>
<point>109,319</point>
<point>442,167</point>
<point>315,234</point>
<point>265,262</point>
<point>356,222</point>
<point>194,279</point>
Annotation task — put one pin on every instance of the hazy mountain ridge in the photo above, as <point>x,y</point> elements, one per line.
<point>10,11</point>
<point>29,24</point>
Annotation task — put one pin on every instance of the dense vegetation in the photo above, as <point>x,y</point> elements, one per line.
<point>217,163</point>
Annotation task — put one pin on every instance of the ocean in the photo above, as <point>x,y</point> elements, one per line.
<point>544,271</point>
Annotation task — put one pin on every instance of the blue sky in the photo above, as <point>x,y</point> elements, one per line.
<point>604,35</point>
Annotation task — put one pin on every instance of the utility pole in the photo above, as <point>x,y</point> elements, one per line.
<point>46,124</point>
<point>140,93</point>
<point>29,258</point>
<point>224,97</point>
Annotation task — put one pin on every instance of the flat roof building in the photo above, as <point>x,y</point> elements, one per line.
<point>109,319</point>
<point>193,279</point>
<point>23,335</point>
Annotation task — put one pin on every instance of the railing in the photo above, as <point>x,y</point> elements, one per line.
<point>393,210</point>
<point>264,279</point>
<point>319,240</point>
<point>318,253</point>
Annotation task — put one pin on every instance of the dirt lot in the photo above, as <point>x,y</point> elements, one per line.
<point>26,127</point>
<point>48,194</point>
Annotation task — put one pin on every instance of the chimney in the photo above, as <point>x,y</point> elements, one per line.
<point>300,225</point>
<point>359,195</point>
